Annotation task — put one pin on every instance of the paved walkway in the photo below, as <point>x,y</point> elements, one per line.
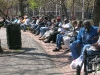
<point>61,59</point>
<point>32,59</point>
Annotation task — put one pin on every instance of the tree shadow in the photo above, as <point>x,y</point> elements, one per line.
<point>62,58</point>
<point>9,52</point>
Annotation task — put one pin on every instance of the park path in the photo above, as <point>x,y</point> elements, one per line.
<point>61,59</point>
<point>31,59</point>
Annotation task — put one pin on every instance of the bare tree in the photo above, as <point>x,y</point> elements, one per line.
<point>96,12</point>
<point>6,7</point>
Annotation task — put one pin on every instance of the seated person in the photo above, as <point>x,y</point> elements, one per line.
<point>35,25</point>
<point>71,36</point>
<point>15,20</point>
<point>59,38</point>
<point>90,49</point>
<point>40,24</point>
<point>33,22</point>
<point>46,27</point>
<point>48,32</point>
<point>85,36</point>
<point>56,30</point>
<point>23,22</point>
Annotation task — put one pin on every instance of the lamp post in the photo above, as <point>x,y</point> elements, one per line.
<point>82,9</point>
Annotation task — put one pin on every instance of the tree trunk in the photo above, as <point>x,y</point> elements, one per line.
<point>64,8</point>
<point>73,7</point>
<point>87,10</point>
<point>96,12</point>
<point>21,7</point>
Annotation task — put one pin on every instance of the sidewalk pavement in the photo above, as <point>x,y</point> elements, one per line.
<point>61,59</point>
<point>31,59</point>
<point>35,57</point>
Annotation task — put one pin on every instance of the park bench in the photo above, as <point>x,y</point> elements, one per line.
<point>91,63</point>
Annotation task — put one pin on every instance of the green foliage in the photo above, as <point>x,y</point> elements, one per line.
<point>69,3</point>
<point>35,3</point>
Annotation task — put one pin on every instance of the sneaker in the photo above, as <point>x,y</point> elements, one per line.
<point>60,48</point>
<point>46,41</point>
<point>41,38</point>
<point>56,49</point>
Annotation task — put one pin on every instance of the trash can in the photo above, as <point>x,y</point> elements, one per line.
<point>13,36</point>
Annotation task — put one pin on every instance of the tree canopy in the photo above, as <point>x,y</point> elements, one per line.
<point>35,3</point>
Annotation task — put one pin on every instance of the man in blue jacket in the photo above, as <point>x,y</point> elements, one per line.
<point>87,35</point>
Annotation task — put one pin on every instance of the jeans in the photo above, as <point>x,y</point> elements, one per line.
<point>59,39</point>
<point>38,29</point>
<point>83,49</point>
<point>35,26</point>
<point>89,52</point>
<point>23,27</point>
<point>43,30</point>
<point>75,51</point>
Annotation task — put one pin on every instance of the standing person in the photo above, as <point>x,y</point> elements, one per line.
<point>85,36</point>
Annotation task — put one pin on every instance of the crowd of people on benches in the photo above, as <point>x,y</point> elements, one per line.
<point>76,35</point>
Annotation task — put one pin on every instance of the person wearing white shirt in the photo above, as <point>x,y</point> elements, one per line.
<point>69,36</point>
<point>59,38</point>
